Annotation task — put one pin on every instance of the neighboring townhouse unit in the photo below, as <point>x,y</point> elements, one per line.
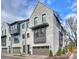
<point>5,38</point>
<point>39,34</point>
<point>17,31</point>
<point>23,29</point>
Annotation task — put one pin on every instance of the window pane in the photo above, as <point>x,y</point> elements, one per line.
<point>44,18</point>
<point>35,20</point>
<point>27,35</point>
<point>23,36</point>
<point>2,32</point>
<point>16,40</point>
<point>40,35</point>
<point>5,32</point>
<point>3,42</point>
<point>22,26</point>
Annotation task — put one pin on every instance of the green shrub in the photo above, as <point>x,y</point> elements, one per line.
<point>63,51</point>
<point>50,53</point>
<point>58,52</point>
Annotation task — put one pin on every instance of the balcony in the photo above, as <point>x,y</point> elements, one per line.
<point>39,26</point>
<point>15,31</point>
<point>3,36</point>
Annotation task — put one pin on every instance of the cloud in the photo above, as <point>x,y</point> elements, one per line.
<point>43,1</point>
<point>74,7</point>
<point>71,15</point>
<point>16,9</point>
<point>6,17</point>
<point>49,2</point>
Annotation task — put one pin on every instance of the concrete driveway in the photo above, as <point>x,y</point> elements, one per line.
<point>27,57</point>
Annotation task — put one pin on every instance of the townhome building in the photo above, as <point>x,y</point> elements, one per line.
<point>5,38</point>
<point>37,35</point>
<point>45,31</point>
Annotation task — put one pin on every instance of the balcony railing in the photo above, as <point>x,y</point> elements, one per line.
<point>15,31</point>
<point>42,25</point>
<point>2,36</point>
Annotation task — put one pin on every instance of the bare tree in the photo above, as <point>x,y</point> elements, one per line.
<point>71,29</point>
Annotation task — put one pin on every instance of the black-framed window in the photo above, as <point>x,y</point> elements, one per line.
<point>2,32</point>
<point>40,35</point>
<point>3,41</point>
<point>35,20</point>
<point>23,26</point>
<point>27,24</point>
<point>27,35</point>
<point>43,18</point>
<point>5,31</point>
<point>40,32</point>
<point>23,36</point>
<point>16,40</point>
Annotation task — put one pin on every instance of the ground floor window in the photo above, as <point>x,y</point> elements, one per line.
<point>16,40</point>
<point>3,41</point>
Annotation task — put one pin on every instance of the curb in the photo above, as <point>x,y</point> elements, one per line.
<point>16,56</point>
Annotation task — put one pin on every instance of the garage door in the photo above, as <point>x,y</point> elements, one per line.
<point>43,50</point>
<point>4,50</point>
<point>16,50</point>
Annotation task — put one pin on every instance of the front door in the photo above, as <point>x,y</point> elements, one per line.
<point>24,48</point>
<point>28,49</point>
<point>9,49</point>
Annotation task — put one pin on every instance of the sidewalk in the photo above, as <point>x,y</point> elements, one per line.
<point>27,56</point>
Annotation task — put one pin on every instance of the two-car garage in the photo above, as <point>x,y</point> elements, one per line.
<point>41,50</point>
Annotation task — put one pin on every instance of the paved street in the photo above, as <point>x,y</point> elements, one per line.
<point>36,57</point>
<point>18,57</point>
<point>8,57</point>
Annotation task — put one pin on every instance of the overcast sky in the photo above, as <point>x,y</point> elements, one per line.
<point>12,10</point>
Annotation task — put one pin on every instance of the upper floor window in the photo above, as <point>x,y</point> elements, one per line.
<point>5,32</point>
<point>40,35</point>
<point>43,18</point>
<point>15,26</point>
<point>16,40</point>
<point>27,35</point>
<point>11,27</point>
<point>2,32</point>
<point>27,24</point>
<point>36,33</point>
<point>23,36</point>
<point>35,20</point>
<point>3,41</point>
<point>40,32</point>
<point>22,26</point>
